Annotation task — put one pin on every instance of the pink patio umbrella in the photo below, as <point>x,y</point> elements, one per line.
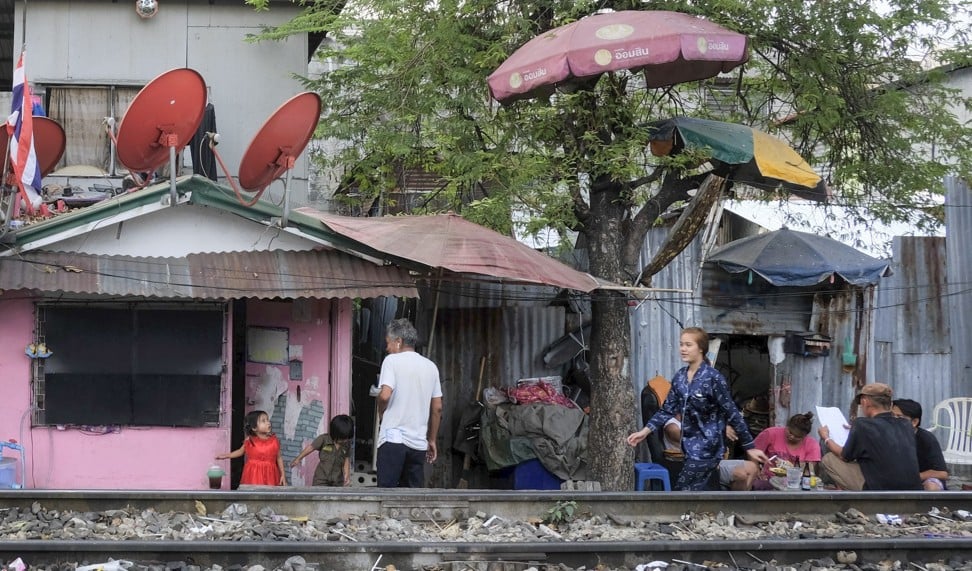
<point>670,47</point>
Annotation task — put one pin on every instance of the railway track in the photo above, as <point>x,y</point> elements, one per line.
<point>439,508</point>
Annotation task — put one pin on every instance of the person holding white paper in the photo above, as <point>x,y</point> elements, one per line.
<point>831,417</point>
<point>880,450</point>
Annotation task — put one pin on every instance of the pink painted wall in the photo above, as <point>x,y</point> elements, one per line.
<point>300,409</point>
<point>144,458</point>
<point>133,458</point>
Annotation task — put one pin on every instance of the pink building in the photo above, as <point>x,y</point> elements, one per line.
<point>166,324</point>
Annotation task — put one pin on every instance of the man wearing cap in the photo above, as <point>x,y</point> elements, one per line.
<point>880,450</point>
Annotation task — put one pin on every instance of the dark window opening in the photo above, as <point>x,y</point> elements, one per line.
<point>132,365</point>
<point>10,46</point>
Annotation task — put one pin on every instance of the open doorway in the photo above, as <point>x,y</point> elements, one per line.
<point>370,319</point>
<point>744,361</point>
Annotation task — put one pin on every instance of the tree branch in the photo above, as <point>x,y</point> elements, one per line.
<point>673,189</point>
<point>685,229</point>
<point>650,178</point>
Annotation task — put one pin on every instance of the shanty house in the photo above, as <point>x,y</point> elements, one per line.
<point>161,325</point>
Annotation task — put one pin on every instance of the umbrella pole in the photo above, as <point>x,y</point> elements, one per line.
<point>435,313</point>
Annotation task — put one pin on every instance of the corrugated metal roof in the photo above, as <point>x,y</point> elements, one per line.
<point>234,275</point>
<point>450,242</point>
<point>197,190</point>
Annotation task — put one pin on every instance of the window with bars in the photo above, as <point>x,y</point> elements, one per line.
<point>132,364</point>
<point>81,110</point>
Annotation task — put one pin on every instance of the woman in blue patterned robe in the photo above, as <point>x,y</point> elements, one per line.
<point>701,394</point>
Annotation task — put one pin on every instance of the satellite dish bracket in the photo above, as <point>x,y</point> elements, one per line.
<point>166,112</point>
<point>274,149</point>
<point>49,141</point>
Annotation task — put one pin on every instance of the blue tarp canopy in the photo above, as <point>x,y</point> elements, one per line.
<point>789,258</point>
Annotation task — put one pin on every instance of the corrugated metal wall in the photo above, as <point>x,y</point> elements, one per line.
<point>923,341</point>
<point>657,322</point>
<point>913,336</point>
<point>509,326</point>
<point>807,382</point>
<point>732,305</point>
<point>958,220</point>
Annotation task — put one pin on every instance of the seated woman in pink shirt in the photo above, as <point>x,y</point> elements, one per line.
<point>790,443</point>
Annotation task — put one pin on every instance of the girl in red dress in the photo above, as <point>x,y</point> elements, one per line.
<point>263,464</point>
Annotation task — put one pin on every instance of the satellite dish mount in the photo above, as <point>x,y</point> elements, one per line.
<point>49,142</point>
<point>159,123</point>
<point>274,149</point>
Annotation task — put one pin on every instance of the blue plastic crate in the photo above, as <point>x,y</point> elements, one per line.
<point>531,475</point>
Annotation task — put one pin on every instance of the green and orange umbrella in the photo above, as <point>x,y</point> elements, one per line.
<point>740,153</point>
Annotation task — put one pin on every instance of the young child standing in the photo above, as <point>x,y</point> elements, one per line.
<point>334,468</point>
<point>263,464</point>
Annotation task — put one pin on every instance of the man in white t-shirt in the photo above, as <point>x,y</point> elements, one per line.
<point>410,406</point>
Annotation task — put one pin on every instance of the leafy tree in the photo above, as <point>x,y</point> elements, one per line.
<point>838,78</point>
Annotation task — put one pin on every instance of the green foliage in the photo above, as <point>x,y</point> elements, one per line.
<point>842,82</point>
<point>838,79</point>
<point>562,512</point>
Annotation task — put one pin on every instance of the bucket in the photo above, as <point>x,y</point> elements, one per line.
<point>8,474</point>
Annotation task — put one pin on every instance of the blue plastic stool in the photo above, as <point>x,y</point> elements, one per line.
<point>647,471</point>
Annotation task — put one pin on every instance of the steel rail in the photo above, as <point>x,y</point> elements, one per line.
<point>408,555</point>
<point>446,505</point>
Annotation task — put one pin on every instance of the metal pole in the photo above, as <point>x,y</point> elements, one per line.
<point>174,196</point>
<point>285,217</point>
<point>11,194</point>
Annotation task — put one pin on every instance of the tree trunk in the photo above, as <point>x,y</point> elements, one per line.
<point>612,394</point>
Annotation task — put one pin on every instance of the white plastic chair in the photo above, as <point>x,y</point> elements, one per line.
<point>953,417</point>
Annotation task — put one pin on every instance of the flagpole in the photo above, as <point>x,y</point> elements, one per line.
<point>11,194</point>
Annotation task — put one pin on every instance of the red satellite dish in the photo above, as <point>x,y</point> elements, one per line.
<point>279,141</point>
<point>164,114</point>
<point>49,140</point>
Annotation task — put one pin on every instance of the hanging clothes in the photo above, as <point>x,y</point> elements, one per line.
<point>203,158</point>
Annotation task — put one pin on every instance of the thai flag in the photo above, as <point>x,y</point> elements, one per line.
<point>20,125</point>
